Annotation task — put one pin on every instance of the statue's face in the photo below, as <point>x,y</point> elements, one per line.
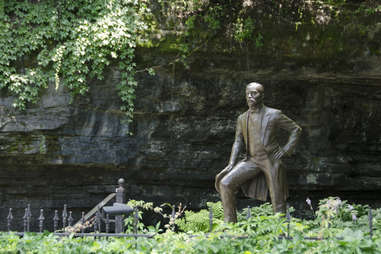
<point>254,96</point>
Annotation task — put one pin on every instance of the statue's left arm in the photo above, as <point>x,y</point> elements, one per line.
<point>293,129</point>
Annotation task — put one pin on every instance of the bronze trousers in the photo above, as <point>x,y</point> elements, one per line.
<point>244,171</point>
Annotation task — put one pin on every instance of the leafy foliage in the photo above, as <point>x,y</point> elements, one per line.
<point>199,221</point>
<point>71,42</point>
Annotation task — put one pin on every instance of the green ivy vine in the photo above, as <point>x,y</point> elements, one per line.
<point>70,42</point>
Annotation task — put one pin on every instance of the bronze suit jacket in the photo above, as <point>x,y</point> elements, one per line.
<point>272,121</point>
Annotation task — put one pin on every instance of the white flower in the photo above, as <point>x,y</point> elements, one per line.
<point>308,201</point>
<point>247,3</point>
<point>157,210</point>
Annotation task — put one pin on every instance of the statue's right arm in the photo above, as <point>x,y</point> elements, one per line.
<point>237,146</point>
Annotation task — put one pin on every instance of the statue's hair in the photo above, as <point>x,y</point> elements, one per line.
<point>261,88</point>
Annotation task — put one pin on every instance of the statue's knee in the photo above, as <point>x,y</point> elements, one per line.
<point>225,185</point>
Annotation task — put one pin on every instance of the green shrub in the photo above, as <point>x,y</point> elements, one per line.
<point>199,221</point>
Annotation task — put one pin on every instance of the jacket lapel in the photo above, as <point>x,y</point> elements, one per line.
<point>265,121</point>
<point>244,124</point>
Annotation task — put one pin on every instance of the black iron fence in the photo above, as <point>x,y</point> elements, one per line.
<point>98,222</point>
<point>64,224</point>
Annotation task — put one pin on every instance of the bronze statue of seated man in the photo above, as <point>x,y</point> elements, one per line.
<point>260,172</point>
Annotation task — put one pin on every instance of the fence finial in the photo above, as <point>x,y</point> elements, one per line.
<point>29,218</point>
<point>64,217</point>
<point>25,219</point>
<point>83,222</point>
<point>41,220</point>
<point>248,216</point>
<point>370,215</point>
<point>121,182</point>
<point>107,223</point>
<point>98,221</point>
<point>55,220</point>
<point>288,217</point>
<point>120,191</point>
<point>119,198</point>
<point>9,219</point>
<point>70,219</point>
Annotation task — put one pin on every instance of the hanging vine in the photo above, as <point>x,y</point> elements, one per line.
<point>69,42</point>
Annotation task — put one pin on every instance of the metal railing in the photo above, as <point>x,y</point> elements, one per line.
<point>96,222</point>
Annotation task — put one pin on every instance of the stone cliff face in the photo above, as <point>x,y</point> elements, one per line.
<point>60,152</point>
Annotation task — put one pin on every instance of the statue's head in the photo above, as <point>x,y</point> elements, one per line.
<point>254,94</point>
